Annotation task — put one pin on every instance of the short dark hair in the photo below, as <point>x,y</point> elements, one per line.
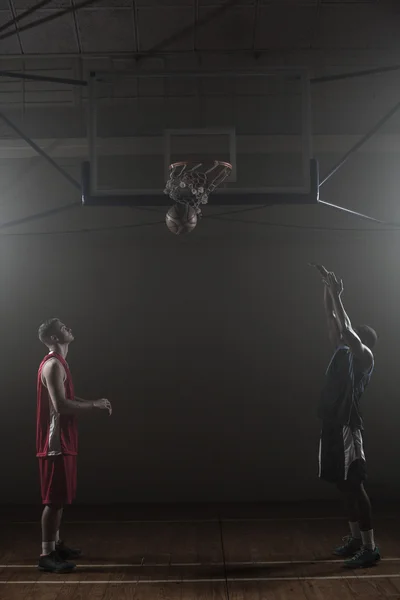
<point>47,329</point>
<point>367,335</point>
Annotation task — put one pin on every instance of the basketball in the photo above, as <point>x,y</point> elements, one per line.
<point>181,218</point>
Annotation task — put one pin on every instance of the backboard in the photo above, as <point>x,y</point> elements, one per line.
<point>259,121</point>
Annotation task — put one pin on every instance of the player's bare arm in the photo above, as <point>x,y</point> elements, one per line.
<point>333,329</point>
<point>54,376</point>
<point>107,403</point>
<point>349,336</point>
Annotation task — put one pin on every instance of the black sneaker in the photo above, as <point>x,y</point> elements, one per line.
<point>53,563</point>
<point>67,553</point>
<point>365,557</point>
<point>349,548</point>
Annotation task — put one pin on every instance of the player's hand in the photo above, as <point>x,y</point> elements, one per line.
<point>334,284</point>
<point>321,270</point>
<point>103,404</point>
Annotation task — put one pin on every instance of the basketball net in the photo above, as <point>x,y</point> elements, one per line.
<point>191,185</point>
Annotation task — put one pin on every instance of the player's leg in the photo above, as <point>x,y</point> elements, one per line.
<point>365,510</point>
<point>332,469</point>
<point>50,522</point>
<point>54,495</point>
<point>354,484</point>
<point>368,554</point>
<point>70,470</point>
<point>352,542</point>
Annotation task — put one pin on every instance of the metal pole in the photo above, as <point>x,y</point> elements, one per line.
<point>351,75</point>
<point>13,75</point>
<point>24,14</point>
<point>355,213</point>
<point>47,19</point>
<point>361,142</point>
<point>92,133</point>
<point>41,152</point>
<point>288,72</point>
<point>306,134</point>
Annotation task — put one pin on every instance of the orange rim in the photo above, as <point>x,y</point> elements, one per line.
<point>186,162</point>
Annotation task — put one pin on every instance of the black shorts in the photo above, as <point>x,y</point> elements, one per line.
<point>341,454</point>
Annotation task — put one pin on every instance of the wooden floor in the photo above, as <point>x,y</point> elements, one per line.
<point>221,553</point>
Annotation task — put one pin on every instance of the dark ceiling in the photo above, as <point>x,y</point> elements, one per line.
<point>143,26</point>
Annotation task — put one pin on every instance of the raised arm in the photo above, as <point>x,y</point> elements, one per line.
<point>333,329</point>
<point>53,374</point>
<point>346,330</point>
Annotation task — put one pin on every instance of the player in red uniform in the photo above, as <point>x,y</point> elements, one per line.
<point>57,441</point>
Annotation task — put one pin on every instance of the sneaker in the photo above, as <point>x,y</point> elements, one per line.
<point>67,553</point>
<point>53,563</point>
<point>365,557</point>
<point>349,548</point>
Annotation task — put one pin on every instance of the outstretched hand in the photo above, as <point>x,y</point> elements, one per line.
<point>329,279</point>
<point>333,283</point>
<point>321,269</point>
<point>103,404</point>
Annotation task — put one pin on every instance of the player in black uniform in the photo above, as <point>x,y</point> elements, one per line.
<point>341,453</point>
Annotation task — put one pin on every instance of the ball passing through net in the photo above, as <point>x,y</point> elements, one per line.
<point>190,185</point>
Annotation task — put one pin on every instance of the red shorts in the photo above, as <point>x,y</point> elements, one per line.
<point>58,475</point>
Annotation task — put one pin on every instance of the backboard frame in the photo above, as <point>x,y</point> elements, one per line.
<point>306,140</point>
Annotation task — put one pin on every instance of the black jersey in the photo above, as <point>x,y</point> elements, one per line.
<point>346,380</point>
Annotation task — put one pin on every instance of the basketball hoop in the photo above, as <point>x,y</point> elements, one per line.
<point>191,185</point>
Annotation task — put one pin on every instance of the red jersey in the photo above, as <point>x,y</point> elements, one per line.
<point>55,433</point>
